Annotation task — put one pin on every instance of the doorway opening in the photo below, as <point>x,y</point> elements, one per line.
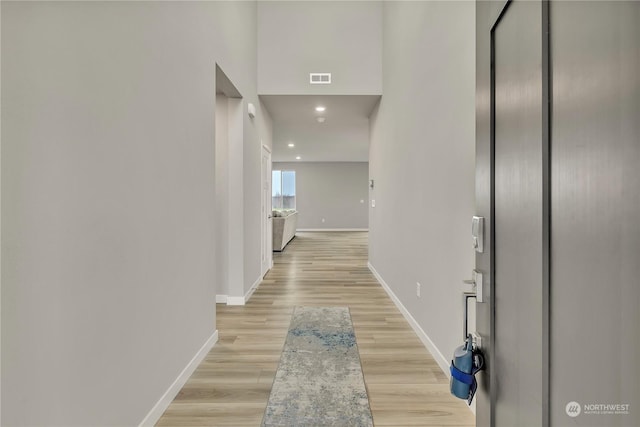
<point>324,141</point>
<point>228,191</point>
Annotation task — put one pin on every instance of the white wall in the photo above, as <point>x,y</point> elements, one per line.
<point>238,188</point>
<point>265,131</point>
<point>252,203</point>
<point>296,38</point>
<point>422,161</point>
<point>330,190</point>
<point>108,201</point>
<point>265,126</point>
<point>0,215</point>
<point>230,196</point>
<point>236,207</point>
<point>222,194</point>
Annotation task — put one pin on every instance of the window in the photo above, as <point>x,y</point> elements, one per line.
<point>283,190</point>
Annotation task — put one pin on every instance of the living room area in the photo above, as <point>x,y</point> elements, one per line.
<point>320,171</point>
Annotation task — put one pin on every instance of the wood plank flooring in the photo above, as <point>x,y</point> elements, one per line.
<point>231,387</point>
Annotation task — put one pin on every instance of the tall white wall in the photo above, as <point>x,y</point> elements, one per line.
<point>238,191</point>
<point>236,243</point>
<point>265,126</point>
<point>422,161</point>
<point>108,210</point>
<point>252,201</point>
<point>0,215</point>
<point>265,132</point>
<point>230,196</point>
<point>222,194</point>
<point>332,191</point>
<point>296,38</point>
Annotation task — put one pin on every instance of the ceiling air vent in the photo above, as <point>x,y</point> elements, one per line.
<point>320,78</point>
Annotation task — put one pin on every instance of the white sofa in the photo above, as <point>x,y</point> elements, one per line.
<point>284,228</point>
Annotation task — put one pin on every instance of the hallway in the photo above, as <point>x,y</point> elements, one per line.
<point>231,387</point>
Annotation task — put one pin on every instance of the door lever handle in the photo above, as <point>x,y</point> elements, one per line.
<point>469,281</point>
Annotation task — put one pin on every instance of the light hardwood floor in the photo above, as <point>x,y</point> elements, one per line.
<point>231,386</point>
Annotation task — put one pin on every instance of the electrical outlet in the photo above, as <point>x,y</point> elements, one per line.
<point>418,286</point>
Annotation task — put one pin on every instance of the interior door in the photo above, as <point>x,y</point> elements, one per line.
<point>267,221</point>
<point>518,215</point>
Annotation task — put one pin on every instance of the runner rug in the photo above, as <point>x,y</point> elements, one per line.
<point>319,380</point>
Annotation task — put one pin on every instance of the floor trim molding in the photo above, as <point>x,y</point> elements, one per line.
<point>252,289</point>
<point>221,299</point>
<point>332,229</point>
<point>235,300</point>
<point>435,352</point>
<point>158,409</point>
<point>244,299</point>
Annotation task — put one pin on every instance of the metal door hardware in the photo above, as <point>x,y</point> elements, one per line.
<point>476,281</point>
<point>465,303</point>
<point>477,232</point>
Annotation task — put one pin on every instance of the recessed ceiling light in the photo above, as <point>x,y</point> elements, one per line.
<point>320,108</point>
<point>298,157</point>
<point>320,119</point>
<point>291,144</point>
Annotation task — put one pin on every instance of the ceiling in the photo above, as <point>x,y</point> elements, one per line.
<point>343,137</point>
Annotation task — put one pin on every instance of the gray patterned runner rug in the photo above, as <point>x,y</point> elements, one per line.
<point>319,380</point>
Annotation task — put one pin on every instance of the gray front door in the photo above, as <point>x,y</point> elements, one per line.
<point>595,214</point>
<point>518,215</point>
<point>558,181</point>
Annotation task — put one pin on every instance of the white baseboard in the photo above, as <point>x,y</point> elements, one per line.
<point>235,300</point>
<point>252,289</point>
<point>158,409</point>
<point>221,299</point>
<point>435,352</point>
<point>442,361</point>
<point>243,300</point>
<point>332,229</point>
<point>269,267</point>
